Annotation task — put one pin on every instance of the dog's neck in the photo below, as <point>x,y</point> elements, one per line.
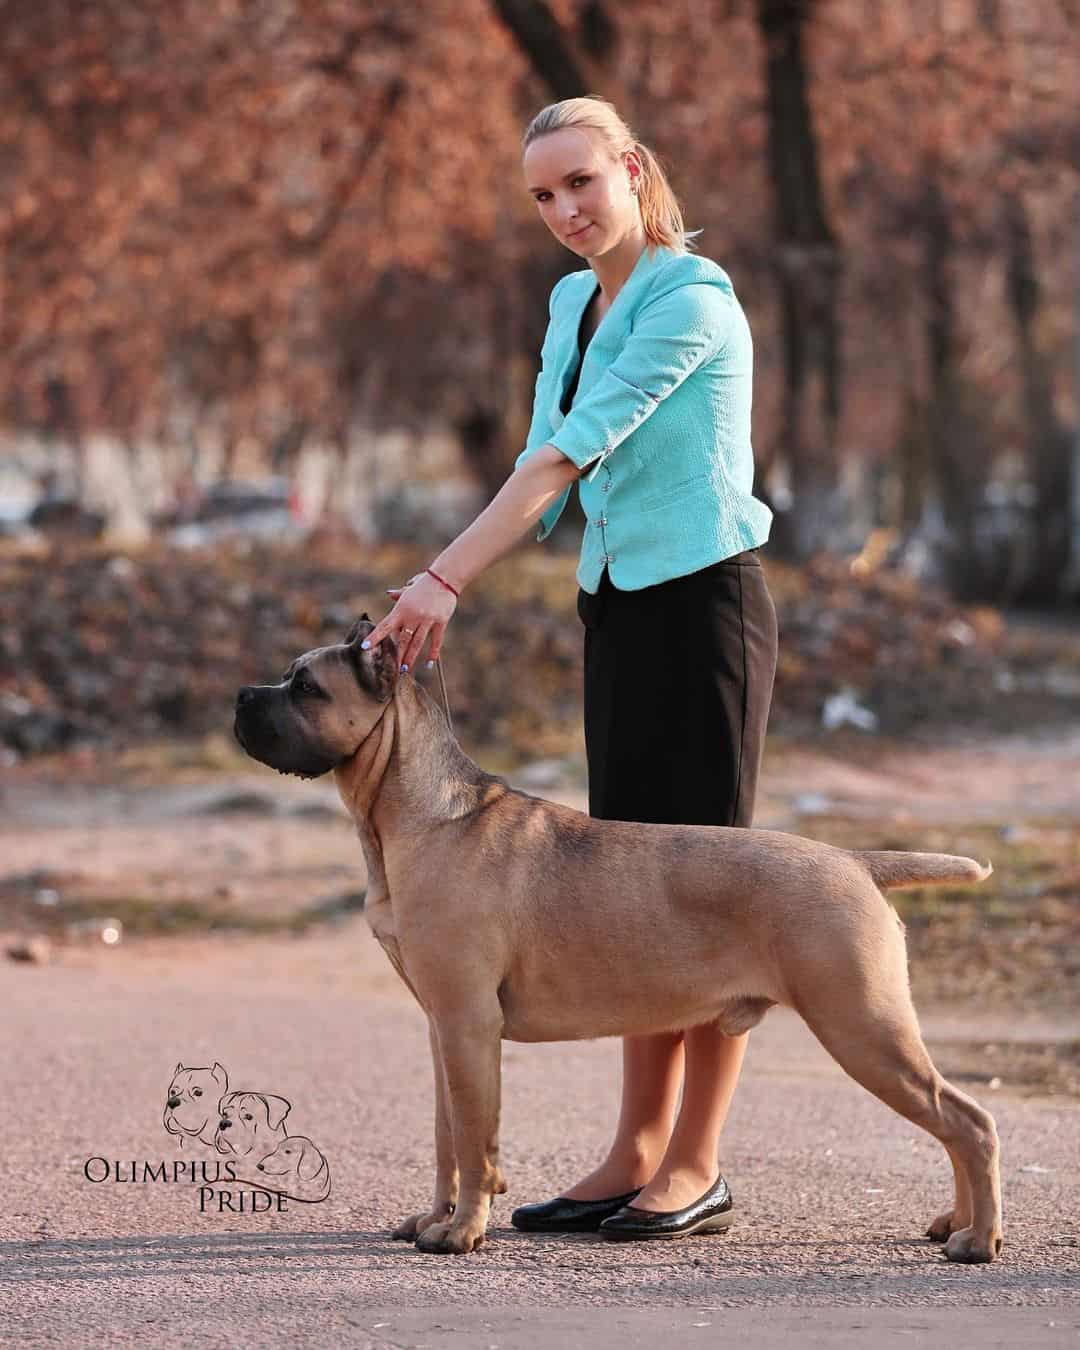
<point>410,769</point>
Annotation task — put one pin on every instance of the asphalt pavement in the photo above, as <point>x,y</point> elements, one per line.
<point>833,1190</point>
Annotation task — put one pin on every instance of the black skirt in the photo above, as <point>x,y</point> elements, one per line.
<point>678,684</point>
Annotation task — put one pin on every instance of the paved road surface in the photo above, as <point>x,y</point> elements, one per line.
<point>833,1189</point>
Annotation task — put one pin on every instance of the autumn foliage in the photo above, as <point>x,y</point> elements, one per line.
<point>265,222</point>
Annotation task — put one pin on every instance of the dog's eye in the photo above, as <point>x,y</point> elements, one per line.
<point>248,1115</point>
<point>198,1092</point>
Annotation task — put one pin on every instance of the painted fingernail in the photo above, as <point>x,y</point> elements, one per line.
<point>365,645</point>
<point>404,667</point>
<point>430,664</point>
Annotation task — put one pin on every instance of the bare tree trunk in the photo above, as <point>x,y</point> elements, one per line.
<point>808,265</point>
<point>1049,450</point>
<point>958,435</point>
<point>1072,584</point>
<point>568,69</point>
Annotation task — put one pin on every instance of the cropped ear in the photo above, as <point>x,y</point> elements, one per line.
<point>355,634</point>
<point>376,671</point>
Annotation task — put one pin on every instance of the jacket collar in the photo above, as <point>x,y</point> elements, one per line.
<point>612,321</point>
<point>639,274</point>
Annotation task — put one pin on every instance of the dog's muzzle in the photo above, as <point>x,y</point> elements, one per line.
<point>262,740</point>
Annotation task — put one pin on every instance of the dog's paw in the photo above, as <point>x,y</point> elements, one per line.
<point>409,1229</point>
<point>943,1225</point>
<point>451,1238</point>
<point>499,1186</point>
<point>966,1245</point>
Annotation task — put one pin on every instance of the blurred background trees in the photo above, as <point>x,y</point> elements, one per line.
<point>237,236</point>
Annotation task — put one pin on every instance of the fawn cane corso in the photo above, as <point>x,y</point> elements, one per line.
<point>552,919</point>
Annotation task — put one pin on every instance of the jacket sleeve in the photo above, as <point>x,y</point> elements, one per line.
<point>540,428</point>
<point>671,336</point>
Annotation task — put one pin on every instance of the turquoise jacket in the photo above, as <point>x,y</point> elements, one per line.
<point>661,412</point>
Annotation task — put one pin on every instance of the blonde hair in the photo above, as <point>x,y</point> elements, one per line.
<point>660,214</point>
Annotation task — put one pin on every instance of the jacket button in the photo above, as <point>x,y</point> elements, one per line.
<point>603,520</point>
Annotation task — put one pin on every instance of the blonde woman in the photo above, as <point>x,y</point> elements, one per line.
<point>643,398</point>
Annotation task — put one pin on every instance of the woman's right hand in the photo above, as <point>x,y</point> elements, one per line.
<point>423,605</point>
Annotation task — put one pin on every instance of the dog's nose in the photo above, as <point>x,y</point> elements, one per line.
<point>260,1167</point>
<point>173,1102</point>
<point>224,1123</point>
<point>245,695</point>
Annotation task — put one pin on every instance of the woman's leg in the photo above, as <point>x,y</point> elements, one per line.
<point>652,1076</point>
<point>690,1165</point>
<point>741,664</point>
<point>676,1165</point>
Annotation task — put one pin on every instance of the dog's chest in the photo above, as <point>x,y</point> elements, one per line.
<point>380,916</point>
<point>377,907</point>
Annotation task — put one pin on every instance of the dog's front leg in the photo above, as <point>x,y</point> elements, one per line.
<point>446,1168</point>
<point>471,1050</point>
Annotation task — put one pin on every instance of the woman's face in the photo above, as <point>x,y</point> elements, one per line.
<point>583,197</point>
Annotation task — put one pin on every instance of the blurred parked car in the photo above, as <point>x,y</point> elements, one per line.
<point>58,514</point>
<point>229,510</point>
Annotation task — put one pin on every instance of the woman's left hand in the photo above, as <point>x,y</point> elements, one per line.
<point>425,606</point>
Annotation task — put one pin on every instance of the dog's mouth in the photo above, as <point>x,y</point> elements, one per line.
<point>254,741</point>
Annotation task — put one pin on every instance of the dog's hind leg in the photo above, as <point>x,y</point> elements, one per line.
<point>471,1049</point>
<point>960,1215</point>
<point>873,1034</point>
<point>446,1168</point>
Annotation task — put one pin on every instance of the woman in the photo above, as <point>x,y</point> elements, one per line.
<point>643,398</point>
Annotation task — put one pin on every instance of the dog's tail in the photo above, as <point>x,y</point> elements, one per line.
<point>895,868</point>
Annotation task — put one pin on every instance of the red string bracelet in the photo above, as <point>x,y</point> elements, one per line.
<point>439,578</point>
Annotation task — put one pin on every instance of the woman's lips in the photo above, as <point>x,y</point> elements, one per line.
<point>578,233</point>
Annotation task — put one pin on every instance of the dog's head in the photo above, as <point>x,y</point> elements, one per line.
<point>295,1156</point>
<point>327,702</point>
<point>251,1122</point>
<point>193,1098</point>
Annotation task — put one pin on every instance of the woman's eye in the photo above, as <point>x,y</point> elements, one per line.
<point>543,196</point>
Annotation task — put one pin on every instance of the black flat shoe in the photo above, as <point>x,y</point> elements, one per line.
<point>568,1216</point>
<point>712,1212</point>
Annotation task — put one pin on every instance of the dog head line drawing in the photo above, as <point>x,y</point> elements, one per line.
<point>192,1106</point>
<point>296,1168</point>
<point>251,1124</point>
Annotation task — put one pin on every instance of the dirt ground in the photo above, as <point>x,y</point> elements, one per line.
<point>238,895</point>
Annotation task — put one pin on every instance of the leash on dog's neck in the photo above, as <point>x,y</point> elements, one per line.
<point>446,701</point>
